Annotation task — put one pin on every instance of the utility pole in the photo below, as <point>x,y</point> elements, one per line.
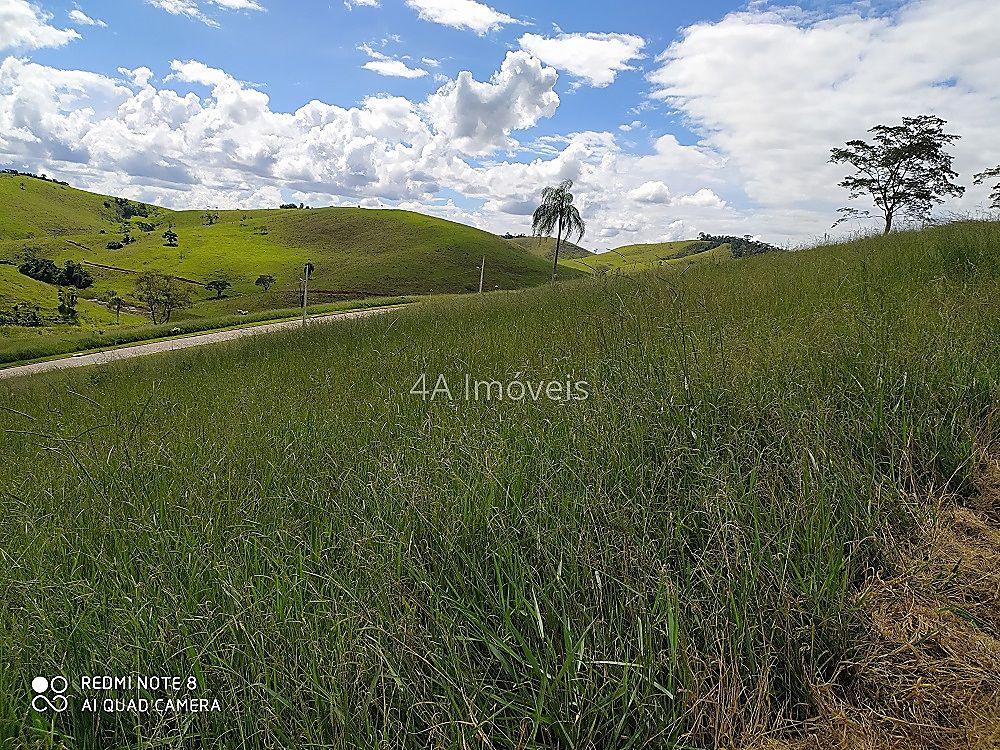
<point>309,269</point>
<point>482,275</point>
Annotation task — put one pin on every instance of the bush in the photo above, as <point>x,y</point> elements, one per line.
<point>26,316</point>
<point>45,270</point>
<point>41,269</point>
<point>75,275</point>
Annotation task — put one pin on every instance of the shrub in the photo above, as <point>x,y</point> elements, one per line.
<point>45,270</point>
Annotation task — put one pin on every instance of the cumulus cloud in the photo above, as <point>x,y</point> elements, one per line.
<point>462,14</point>
<point>386,65</point>
<point>478,117</point>
<point>25,26</point>
<point>654,191</point>
<point>704,198</point>
<point>765,121</point>
<point>594,58</point>
<point>774,90</point>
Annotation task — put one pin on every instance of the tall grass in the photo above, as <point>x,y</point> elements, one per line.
<point>669,563</point>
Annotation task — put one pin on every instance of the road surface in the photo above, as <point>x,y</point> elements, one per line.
<point>201,339</point>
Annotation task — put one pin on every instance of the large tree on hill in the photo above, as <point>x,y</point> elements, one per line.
<point>990,174</point>
<point>558,213</point>
<point>161,295</point>
<point>905,169</point>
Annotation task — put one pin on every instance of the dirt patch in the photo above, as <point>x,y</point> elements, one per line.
<point>928,677</point>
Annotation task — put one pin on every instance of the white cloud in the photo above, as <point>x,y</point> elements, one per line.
<point>352,4</point>
<point>23,25</point>
<point>196,9</point>
<point>652,192</point>
<point>462,14</point>
<point>386,65</point>
<point>238,4</point>
<point>80,18</point>
<point>774,90</point>
<point>184,149</point>
<point>479,117</point>
<point>704,198</point>
<point>766,118</point>
<point>594,58</point>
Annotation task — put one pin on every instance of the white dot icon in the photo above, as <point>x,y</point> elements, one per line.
<point>39,685</point>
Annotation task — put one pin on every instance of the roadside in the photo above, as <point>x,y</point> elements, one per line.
<point>928,674</point>
<point>106,356</point>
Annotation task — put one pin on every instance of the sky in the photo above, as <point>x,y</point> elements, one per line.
<point>672,117</point>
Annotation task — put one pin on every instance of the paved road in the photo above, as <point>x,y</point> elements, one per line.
<point>141,350</point>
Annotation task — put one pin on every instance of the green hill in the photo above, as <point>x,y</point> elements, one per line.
<point>545,247</point>
<point>358,253</point>
<point>643,257</point>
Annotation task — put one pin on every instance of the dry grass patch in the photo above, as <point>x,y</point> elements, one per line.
<point>929,676</point>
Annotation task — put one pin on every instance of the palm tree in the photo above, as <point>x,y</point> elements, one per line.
<point>558,212</point>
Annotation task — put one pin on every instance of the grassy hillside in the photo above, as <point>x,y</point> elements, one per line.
<point>632,258</point>
<point>33,208</point>
<point>545,247</point>
<point>358,253</point>
<point>712,548</point>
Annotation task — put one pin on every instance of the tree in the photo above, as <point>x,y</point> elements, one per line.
<point>67,303</point>
<point>265,281</point>
<point>219,286</point>
<point>176,295</point>
<point>74,274</point>
<point>171,237</point>
<point>114,303</point>
<point>558,212</point>
<point>161,295</point>
<point>906,169</point>
<point>990,174</point>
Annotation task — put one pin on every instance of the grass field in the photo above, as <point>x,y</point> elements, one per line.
<point>676,561</point>
<point>635,258</point>
<point>358,254</point>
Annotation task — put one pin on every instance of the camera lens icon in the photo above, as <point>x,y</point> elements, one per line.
<point>50,694</point>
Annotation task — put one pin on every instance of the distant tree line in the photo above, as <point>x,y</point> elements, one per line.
<point>45,270</point>
<point>290,206</point>
<point>42,177</point>
<point>740,247</point>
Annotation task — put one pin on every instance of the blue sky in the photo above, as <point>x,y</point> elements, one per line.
<point>672,117</point>
<point>298,51</point>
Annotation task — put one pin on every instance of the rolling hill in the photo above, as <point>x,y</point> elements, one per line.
<point>358,253</point>
<point>545,247</point>
<point>644,257</point>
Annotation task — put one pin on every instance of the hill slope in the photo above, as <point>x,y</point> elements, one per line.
<point>358,253</point>
<point>643,257</point>
<point>545,247</point>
